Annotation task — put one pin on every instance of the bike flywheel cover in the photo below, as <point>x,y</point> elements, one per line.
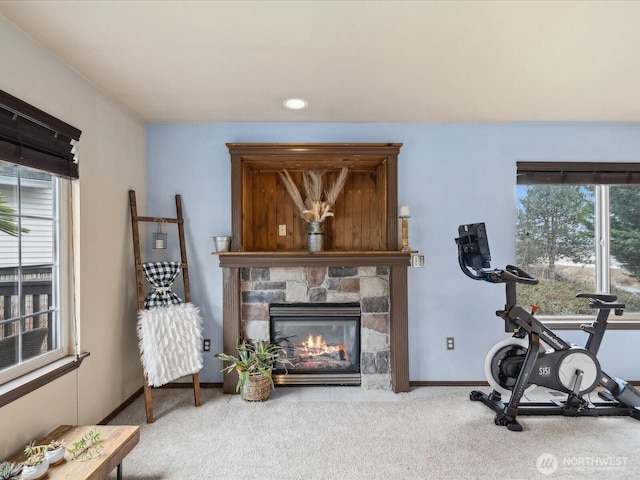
<point>509,347</point>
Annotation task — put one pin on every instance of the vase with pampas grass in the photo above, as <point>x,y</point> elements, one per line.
<point>317,205</point>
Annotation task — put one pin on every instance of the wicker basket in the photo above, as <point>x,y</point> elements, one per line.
<point>257,388</point>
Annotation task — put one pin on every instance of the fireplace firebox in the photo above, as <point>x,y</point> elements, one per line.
<point>322,341</point>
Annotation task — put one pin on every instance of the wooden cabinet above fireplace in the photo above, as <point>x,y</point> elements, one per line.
<point>365,212</point>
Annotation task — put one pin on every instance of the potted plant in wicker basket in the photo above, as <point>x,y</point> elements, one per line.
<point>254,364</point>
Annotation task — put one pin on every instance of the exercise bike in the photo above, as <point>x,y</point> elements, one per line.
<point>534,355</point>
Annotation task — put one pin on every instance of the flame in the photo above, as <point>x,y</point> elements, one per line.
<point>315,343</point>
<point>317,346</point>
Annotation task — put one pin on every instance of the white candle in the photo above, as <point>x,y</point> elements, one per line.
<point>404,211</point>
<point>159,244</point>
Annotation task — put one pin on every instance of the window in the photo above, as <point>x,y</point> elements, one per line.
<point>578,229</point>
<point>30,270</point>
<point>37,161</point>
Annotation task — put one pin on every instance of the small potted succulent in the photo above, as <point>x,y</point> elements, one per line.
<point>35,466</point>
<point>254,365</point>
<point>39,457</point>
<point>54,452</point>
<point>10,470</point>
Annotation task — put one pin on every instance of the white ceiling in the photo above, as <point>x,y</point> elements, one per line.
<point>354,61</point>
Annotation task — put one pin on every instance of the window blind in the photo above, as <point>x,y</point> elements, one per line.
<point>577,173</point>
<point>33,138</point>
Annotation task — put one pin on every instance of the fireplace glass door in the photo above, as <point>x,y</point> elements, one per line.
<point>322,342</point>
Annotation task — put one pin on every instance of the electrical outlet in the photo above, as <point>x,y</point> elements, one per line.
<point>417,261</point>
<point>282,230</point>
<point>206,345</point>
<point>450,344</point>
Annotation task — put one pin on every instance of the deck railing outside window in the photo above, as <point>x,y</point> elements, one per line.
<point>25,313</point>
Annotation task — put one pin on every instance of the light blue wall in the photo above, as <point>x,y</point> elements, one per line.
<point>449,174</point>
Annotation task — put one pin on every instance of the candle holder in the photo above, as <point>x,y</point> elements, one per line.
<point>405,233</point>
<point>159,237</point>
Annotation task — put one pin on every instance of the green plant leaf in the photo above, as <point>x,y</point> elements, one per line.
<point>259,357</point>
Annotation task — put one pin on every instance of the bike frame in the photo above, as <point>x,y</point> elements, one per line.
<point>521,323</point>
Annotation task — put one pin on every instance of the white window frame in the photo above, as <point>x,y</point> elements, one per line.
<point>602,238</point>
<point>61,285</point>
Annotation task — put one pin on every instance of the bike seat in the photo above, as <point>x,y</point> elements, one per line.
<point>603,297</point>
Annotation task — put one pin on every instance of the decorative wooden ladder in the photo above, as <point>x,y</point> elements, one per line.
<point>135,219</point>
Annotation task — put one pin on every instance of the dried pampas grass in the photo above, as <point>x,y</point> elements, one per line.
<point>317,205</point>
<point>292,189</point>
<point>332,194</point>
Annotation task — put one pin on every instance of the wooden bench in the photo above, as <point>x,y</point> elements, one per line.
<point>118,441</point>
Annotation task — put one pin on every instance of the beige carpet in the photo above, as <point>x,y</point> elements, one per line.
<point>339,433</point>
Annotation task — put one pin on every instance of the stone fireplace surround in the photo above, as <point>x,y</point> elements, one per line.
<point>368,286</point>
<point>252,280</point>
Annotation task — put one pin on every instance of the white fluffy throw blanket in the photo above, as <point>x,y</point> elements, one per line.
<point>170,342</point>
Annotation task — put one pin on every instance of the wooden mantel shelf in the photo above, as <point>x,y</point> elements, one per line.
<point>328,258</point>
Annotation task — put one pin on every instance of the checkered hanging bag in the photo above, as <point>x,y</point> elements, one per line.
<point>161,276</point>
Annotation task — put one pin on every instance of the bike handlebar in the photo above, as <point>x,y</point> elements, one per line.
<point>472,265</point>
<point>516,274</point>
<point>511,273</point>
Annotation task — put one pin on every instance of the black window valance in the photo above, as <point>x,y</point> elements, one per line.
<point>578,173</point>
<point>31,137</point>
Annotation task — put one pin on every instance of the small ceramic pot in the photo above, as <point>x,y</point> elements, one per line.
<point>54,456</point>
<point>35,472</point>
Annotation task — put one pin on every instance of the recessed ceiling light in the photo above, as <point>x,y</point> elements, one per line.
<point>295,104</point>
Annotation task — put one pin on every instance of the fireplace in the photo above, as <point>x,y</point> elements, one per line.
<point>376,280</point>
<point>322,342</point>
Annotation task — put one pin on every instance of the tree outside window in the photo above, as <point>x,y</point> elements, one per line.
<point>8,222</point>
<point>557,239</point>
